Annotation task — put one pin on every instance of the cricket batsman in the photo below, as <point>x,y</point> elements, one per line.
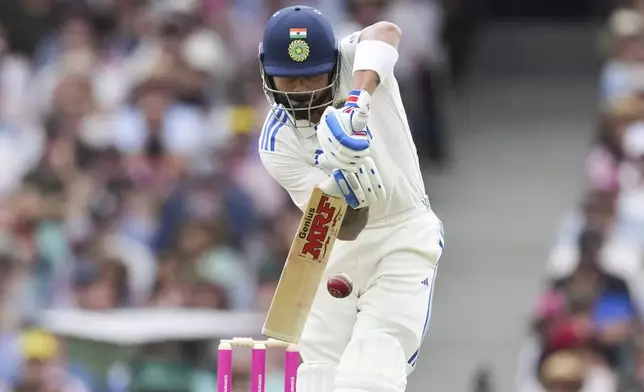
<point>337,121</point>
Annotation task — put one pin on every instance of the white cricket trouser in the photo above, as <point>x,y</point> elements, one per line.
<point>393,266</point>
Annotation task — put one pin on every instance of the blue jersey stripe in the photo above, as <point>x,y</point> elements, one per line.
<point>266,131</point>
<point>280,124</point>
<point>268,128</point>
<point>269,132</point>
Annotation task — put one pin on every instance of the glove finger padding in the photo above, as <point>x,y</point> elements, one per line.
<point>350,188</point>
<point>333,156</point>
<point>338,137</point>
<point>328,160</point>
<point>367,186</point>
<point>376,180</point>
<point>357,107</point>
<point>359,119</point>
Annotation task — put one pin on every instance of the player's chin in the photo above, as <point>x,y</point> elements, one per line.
<point>313,115</point>
<point>316,115</point>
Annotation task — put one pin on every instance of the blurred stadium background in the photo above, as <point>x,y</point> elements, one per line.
<point>137,226</point>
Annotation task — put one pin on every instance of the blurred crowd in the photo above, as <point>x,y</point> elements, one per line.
<point>588,330</point>
<point>129,173</point>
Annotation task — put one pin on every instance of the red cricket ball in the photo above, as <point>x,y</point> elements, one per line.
<point>339,285</point>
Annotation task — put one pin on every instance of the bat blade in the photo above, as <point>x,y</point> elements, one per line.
<point>304,267</point>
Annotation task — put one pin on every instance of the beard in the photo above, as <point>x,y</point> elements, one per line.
<point>301,102</point>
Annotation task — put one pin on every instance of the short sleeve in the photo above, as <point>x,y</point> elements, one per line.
<point>348,47</point>
<point>295,175</point>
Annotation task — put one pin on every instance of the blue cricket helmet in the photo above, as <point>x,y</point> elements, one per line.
<point>299,42</point>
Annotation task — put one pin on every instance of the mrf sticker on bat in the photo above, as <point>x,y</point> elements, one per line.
<point>319,224</point>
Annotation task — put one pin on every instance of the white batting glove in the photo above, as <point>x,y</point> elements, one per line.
<point>361,188</point>
<point>342,147</point>
<point>371,182</point>
<point>356,110</point>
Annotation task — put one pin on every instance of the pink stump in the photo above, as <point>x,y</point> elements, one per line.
<point>225,368</point>
<point>258,369</point>
<point>291,363</point>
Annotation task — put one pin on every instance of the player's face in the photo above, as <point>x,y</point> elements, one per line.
<point>304,92</point>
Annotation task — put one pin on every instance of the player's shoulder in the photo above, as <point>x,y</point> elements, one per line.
<point>347,48</point>
<point>350,39</point>
<point>276,132</point>
<point>350,36</point>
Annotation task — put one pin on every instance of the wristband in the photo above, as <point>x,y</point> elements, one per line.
<point>376,56</point>
<point>352,99</point>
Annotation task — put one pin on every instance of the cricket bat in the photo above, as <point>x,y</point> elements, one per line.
<point>304,267</point>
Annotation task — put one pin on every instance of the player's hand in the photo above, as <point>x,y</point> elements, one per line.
<point>356,111</point>
<point>361,188</point>
<point>342,148</point>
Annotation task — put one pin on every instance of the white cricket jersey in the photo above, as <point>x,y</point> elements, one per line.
<point>291,154</point>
